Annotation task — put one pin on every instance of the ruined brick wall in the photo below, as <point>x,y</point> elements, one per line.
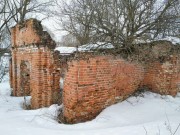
<point>28,47</point>
<point>92,85</point>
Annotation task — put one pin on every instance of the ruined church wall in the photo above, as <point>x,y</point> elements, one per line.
<point>92,85</point>
<point>42,65</point>
<point>25,34</point>
<point>44,76</point>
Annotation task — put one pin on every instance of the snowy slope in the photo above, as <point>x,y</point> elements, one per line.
<point>154,114</point>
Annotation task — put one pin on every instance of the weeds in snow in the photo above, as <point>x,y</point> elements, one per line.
<point>169,127</point>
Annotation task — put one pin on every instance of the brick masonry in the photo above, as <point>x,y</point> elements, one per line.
<point>33,66</point>
<point>90,84</point>
<point>99,81</point>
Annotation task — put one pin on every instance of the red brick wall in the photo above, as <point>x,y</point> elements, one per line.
<point>92,85</point>
<point>43,65</point>
<point>25,35</point>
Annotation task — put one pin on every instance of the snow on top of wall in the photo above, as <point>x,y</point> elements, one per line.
<point>65,50</point>
<point>98,45</point>
<point>83,48</point>
<point>101,45</point>
<point>173,40</point>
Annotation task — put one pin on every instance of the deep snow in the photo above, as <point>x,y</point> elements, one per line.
<point>152,113</point>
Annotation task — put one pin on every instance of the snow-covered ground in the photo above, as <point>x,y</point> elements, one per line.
<point>149,115</point>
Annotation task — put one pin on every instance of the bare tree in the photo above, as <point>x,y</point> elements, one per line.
<point>69,40</point>
<point>16,11</point>
<point>5,18</point>
<point>121,22</point>
<point>77,19</point>
<point>4,51</point>
<point>27,8</point>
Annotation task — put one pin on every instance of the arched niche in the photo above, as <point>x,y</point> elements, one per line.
<point>25,78</point>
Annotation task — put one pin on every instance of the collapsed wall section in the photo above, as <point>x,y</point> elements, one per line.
<point>92,85</point>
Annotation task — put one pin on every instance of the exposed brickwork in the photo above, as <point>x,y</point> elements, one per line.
<point>24,35</point>
<point>25,78</point>
<point>92,85</point>
<point>34,67</point>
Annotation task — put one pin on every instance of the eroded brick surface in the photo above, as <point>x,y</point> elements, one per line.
<point>92,85</point>
<point>34,67</point>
